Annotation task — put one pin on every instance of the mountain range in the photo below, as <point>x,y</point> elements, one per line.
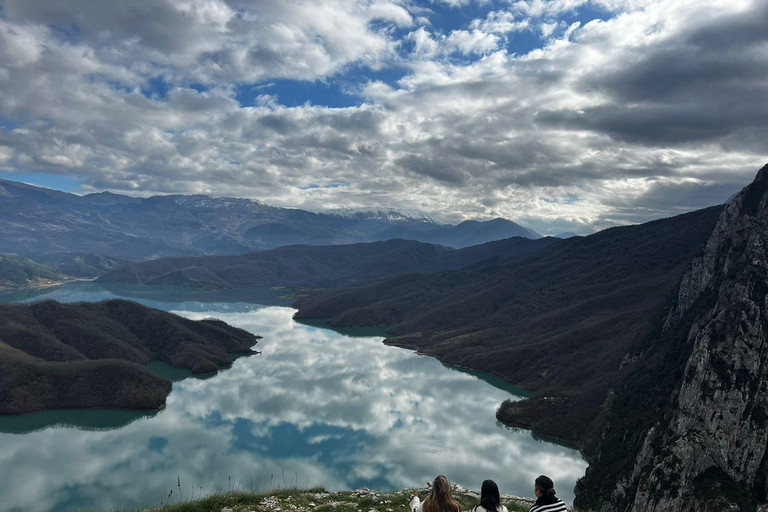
<point>310,266</point>
<point>37,221</point>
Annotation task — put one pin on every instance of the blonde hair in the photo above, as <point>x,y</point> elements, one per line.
<point>440,498</point>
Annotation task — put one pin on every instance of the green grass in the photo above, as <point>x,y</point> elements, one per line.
<point>310,500</point>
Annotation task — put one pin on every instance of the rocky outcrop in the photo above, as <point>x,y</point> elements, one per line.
<point>703,425</point>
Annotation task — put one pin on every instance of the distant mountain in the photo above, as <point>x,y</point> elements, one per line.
<point>80,264</point>
<point>17,272</point>
<point>36,220</point>
<point>558,323</point>
<point>473,232</point>
<point>91,354</point>
<point>566,234</point>
<point>320,266</point>
<point>388,214</point>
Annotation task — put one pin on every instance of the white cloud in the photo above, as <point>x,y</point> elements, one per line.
<point>598,121</point>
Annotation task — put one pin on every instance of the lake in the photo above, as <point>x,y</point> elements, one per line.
<point>317,407</point>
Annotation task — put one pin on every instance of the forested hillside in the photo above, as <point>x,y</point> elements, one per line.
<point>91,354</point>
<point>321,266</point>
<point>17,272</point>
<point>558,323</point>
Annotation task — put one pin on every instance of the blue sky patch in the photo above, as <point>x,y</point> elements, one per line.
<point>42,179</point>
<point>157,443</point>
<point>327,444</point>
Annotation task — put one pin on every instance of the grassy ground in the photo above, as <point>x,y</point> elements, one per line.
<point>316,500</point>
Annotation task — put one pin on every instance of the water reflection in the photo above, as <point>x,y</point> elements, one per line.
<point>240,299</point>
<point>319,407</point>
<point>89,419</point>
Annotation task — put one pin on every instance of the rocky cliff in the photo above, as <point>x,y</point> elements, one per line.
<point>688,429</point>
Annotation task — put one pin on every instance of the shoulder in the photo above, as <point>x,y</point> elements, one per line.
<point>556,506</point>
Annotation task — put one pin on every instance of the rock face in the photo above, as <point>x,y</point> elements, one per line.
<point>703,446</point>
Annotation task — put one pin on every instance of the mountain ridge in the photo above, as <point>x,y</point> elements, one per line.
<point>36,220</point>
<point>320,266</point>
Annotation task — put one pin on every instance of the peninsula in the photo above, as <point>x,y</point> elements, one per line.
<point>91,355</point>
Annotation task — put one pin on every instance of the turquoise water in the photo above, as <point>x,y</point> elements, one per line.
<point>317,406</point>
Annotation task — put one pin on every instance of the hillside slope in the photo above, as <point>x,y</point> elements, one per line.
<point>558,323</point>
<point>17,272</point>
<point>90,354</point>
<point>320,266</point>
<point>688,430</point>
<point>83,265</point>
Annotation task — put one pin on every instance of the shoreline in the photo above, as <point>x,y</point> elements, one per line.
<point>75,409</point>
<point>139,411</point>
<point>42,286</point>
<point>392,341</point>
<point>571,443</point>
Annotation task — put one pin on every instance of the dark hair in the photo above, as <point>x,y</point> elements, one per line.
<point>546,485</point>
<point>489,496</point>
<point>440,498</point>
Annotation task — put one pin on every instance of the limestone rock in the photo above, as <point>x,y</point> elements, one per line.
<point>707,449</point>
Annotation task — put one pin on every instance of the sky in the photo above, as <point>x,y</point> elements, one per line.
<point>563,115</point>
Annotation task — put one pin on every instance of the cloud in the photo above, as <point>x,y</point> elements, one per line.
<point>660,97</point>
<point>215,40</point>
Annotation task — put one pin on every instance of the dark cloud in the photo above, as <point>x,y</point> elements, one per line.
<point>438,168</point>
<point>702,84</point>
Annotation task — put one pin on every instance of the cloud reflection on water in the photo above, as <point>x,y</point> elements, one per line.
<point>336,411</point>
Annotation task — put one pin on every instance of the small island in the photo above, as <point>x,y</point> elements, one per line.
<point>92,355</point>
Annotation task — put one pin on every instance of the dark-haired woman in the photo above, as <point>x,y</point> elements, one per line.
<point>546,501</point>
<point>490,499</point>
<point>440,498</point>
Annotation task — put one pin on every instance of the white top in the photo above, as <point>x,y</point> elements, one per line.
<point>415,506</point>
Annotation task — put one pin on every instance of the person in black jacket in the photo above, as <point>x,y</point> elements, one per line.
<point>546,501</point>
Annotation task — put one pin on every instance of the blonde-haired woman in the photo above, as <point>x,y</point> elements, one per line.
<point>440,498</point>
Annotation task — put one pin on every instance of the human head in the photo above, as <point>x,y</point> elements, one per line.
<point>440,498</point>
<point>489,496</point>
<point>545,486</point>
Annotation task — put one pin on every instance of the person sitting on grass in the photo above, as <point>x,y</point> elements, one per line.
<point>440,498</point>
<point>546,501</point>
<point>490,499</point>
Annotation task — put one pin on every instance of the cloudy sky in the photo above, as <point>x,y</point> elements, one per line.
<point>560,114</point>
